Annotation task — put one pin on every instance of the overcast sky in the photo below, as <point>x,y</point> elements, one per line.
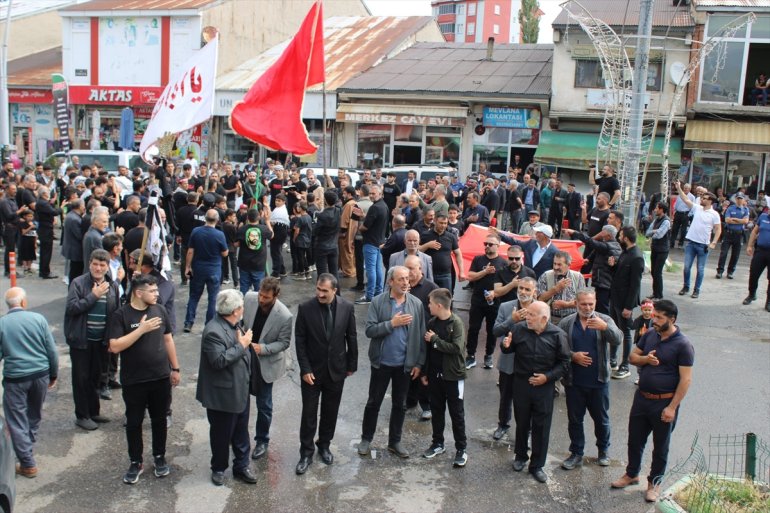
<point>422,8</point>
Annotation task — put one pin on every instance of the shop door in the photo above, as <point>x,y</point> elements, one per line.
<point>403,154</point>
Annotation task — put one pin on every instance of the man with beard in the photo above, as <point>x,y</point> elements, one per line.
<point>603,245</point>
<point>665,358</point>
<point>439,245</point>
<point>390,192</point>
<point>607,183</point>
<point>659,233</point>
<point>508,278</point>
<point>705,221</point>
<point>509,314</point>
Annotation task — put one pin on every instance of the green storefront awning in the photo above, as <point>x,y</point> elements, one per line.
<point>577,150</point>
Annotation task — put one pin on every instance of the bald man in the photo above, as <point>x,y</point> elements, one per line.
<point>30,370</point>
<point>542,358</point>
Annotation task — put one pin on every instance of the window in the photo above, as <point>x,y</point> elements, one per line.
<point>435,11</point>
<point>460,29</point>
<point>472,9</point>
<point>495,29</point>
<point>373,145</point>
<point>461,9</point>
<point>723,85</point>
<point>497,10</point>
<point>447,28</point>
<point>446,9</point>
<point>471,29</point>
<point>588,73</point>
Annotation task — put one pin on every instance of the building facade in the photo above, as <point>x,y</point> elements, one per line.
<point>475,21</point>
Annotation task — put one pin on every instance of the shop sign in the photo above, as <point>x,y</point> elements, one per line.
<point>399,119</point>
<point>507,117</point>
<point>114,95</point>
<point>30,96</point>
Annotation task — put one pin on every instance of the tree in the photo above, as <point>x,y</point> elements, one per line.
<point>529,21</point>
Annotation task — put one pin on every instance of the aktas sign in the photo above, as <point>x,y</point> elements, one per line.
<point>114,95</point>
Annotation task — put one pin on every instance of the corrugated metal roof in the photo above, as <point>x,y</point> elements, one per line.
<point>522,70</point>
<point>732,3</point>
<point>727,135</point>
<point>614,13</point>
<point>352,44</point>
<point>35,70</point>
<point>139,5</point>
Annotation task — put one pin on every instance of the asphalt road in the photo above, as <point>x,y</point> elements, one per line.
<point>82,471</point>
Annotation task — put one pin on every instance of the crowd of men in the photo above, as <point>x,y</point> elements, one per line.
<point>401,244</point>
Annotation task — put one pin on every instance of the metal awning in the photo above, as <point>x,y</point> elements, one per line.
<point>727,136</point>
<point>415,110</point>
<point>577,150</point>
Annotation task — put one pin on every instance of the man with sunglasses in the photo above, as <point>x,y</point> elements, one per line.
<point>705,222</point>
<point>507,279</point>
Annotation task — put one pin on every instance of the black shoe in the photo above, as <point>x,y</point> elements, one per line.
<point>749,299</point>
<point>50,277</point>
<point>488,361</point>
<point>461,458</point>
<point>114,385</point>
<point>100,419</point>
<point>470,362</point>
<point>574,460</point>
<point>500,433</point>
<point>518,465</point>
<point>398,450</point>
<point>603,460</point>
<point>161,467</point>
<point>245,476</point>
<point>259,450</point>
<point>327,458</point>
<point>304,463</point>
<point>187,328</point>
<point>87,424</point>
<point>218,478</point>
<point>730,276</point>
<point>684,291</point>
<point>767,306</point>
<point>539,475</point>
<point>133,473</point>
<point>363,448</point>
<point>695,294</point>
<point>433,451</point>
<point>718,276</point>
<point>613,364</point>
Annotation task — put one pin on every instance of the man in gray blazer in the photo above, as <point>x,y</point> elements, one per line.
<point>590,336</point>
<point>223,387</point>
<point>270,322</point>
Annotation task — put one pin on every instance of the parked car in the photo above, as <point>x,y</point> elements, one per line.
<point>109,159</point>
<point>7,469</point>
<point>421,171</point>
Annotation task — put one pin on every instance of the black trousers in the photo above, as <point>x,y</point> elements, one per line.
<point>533,410</point>
<point>657,262</point>
<point>76,269</point>
<point>759,262</point>
<point>328,261</point>
<point>153,397</point>
<point>418,394</point>
<point>506,401</point>
<point>228,430</point>
<point>86,374</point>
<point>109,369</point>
<point>603,301</point>
<point>9,241</point>
<point>45,243</point>
<point>230,265</point>
<point>358,253</point>
<point>731,240</point>
<point>295,265</point>
<point>624,325</point>
<point>481,311</point>
<point>329,394</point>
<point>183,263</point>
<point>643,420</point>
<point>555,217</point>
<point>679,230</point>
<point>447,395</point>
<point>280,231</point>
<point>378,385</point>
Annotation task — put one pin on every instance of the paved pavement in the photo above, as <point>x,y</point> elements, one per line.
<point>81,471</point>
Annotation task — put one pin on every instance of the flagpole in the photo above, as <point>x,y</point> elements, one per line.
<point>323,127</point>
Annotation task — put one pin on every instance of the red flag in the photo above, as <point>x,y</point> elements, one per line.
<point>271,112</point>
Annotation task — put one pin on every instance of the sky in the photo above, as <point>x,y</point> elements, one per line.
<point>422,8</point>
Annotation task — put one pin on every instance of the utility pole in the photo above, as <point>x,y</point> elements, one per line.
<point>636,118</point>
<point>5,121</point>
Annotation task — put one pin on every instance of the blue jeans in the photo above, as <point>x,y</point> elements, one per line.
<point>597,402</point>
<point>375,278</point>
<point>264,410</point>
<point>210,278</point>
<point>249,279</point>
<point>444,281</point>
<point>692,251</point>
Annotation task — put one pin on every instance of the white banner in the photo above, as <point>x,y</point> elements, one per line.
<point>188,100</point>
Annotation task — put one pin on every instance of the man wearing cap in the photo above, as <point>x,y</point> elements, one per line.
<point>533,221</point>
<point>736,219</point>
<point>539,251</point>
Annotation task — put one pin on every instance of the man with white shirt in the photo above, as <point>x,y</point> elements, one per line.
<point>705,221</point>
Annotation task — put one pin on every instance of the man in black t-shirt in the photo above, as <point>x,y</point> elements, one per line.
<point>484,306</point>
<point>507,279</point>
<point>373,230</point>
<point>390,193</point>
<point>252,254</point>
<point>439,244</point>
<point>607,183</point>
<point>141,332</point>
<point>230,183</point>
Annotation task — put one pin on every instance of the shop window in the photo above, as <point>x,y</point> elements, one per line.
<point>373,145</point>
<point>708,169</point>
<point>471,29</point>
<point>442,149</point>
<point>408,133</point>
<point>722,85</point>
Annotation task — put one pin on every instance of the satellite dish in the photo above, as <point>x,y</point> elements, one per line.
<point>676,72</point>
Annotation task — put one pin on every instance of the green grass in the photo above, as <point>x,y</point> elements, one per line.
<point>710,494</point>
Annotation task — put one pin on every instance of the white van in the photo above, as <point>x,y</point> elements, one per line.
<point>110,160</point>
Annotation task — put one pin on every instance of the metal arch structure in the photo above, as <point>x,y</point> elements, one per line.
<point>715,42</point>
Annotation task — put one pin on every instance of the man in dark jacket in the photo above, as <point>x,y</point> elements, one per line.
<point>326,229</point>
<point>72,238</point>
<point>185,222</point>
<point>9,214</point>
<point>91,301</point>
<point>602,246</point>
<point>395,242</point>
<point>45,213</point>
<point>624,294</point>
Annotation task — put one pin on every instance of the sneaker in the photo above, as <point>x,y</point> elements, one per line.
<point>299,277</point>
<point>684,291</point>
<point>461,458</point>
<point>621,373</point>
<point>311,268</point>
<point>603,460</point>
<point>105,393</point>
<point>426,415</point>
<point>226,282</point>
<point>499,433</point>
<point>730,276</point>
<point>488,361</point>
<point>470,362</point>
<point>574,460</point>
<point>363,300</point>
<point>718,276</point>
<point>695,294</point>
<point>161,467</point>
<point>187,327</point>
<point>433,451</point>
<point>134,471</point>
<point>613,364</point>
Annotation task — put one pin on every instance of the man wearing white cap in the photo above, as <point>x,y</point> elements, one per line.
<point>538,252</point>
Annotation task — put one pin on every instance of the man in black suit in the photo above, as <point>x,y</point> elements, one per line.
<point>45,214</point>
<point>72,238</point>
<point>327,353</point>
<point>224,377</point>
<point>574,210</point>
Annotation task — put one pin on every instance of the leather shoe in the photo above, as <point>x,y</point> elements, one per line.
<point>624,481</point>
<point>259,450</point>
<point>398,450</point>
<point>100,419</point>
<point>539,475</point>
<point>245,475</point>
<point>518,465</point>
<point>364,448</point>
<point>50,277</point>
<point>652,493</point>
<point>218,478</point>
<point>28,472</point>
<point>304,463</point>
<point>749,299</point>
<point>574,460</point>
<point>499,433</point>
<point>87,424</point>
<point>326,456</point>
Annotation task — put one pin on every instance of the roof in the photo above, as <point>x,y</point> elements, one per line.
<point>749,4</point>
<point>138,5</point>
<point>352,44</point>
<point>35,70</point>
<point>614,14</point>
<point>522,70</point>
<point>22,9</point>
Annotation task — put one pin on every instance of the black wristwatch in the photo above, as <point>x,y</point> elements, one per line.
<point>175,370</point>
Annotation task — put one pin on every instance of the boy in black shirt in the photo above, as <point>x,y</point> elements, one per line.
<point>444,374</point>
<point>141,332</point>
